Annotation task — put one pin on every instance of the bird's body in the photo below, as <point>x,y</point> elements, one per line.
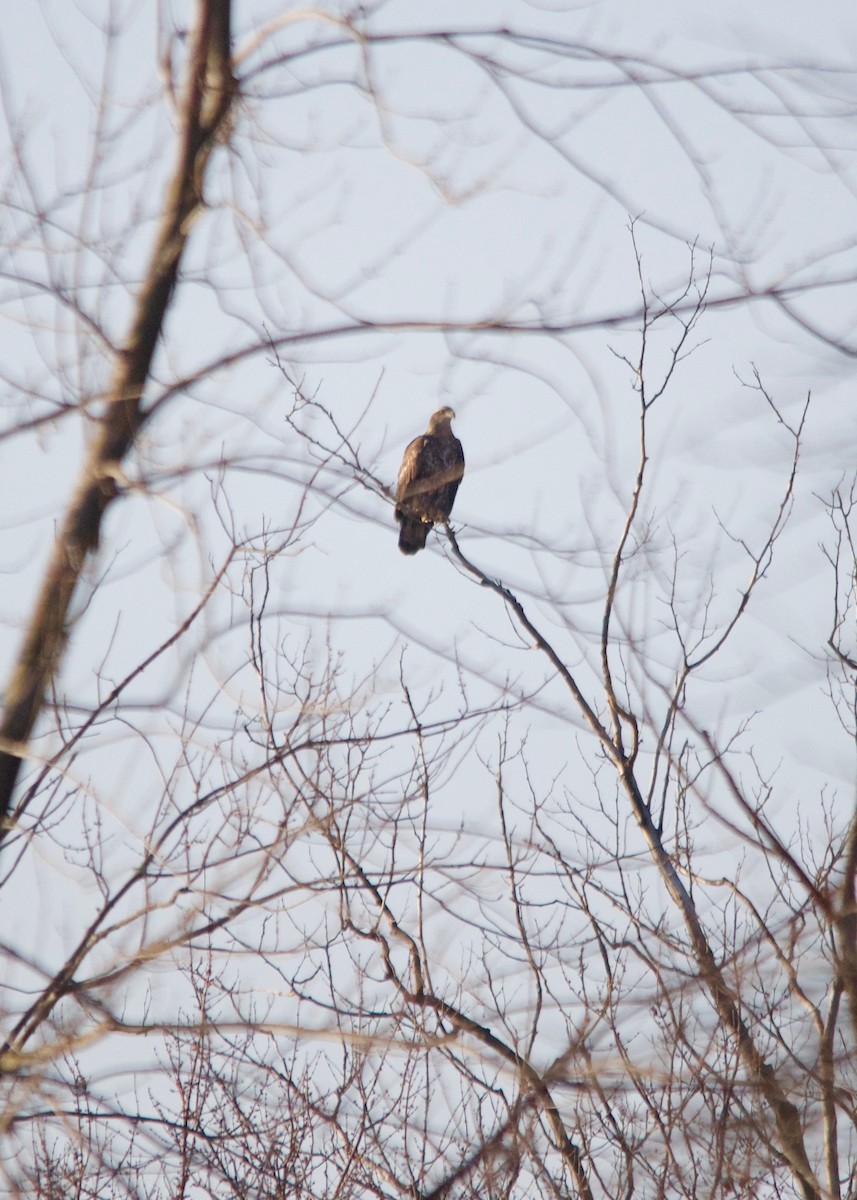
<point>429,476</point>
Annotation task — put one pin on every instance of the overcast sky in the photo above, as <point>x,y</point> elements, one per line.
<point>418,182</point>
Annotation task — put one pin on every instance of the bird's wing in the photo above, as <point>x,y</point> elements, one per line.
<point>411,470</point>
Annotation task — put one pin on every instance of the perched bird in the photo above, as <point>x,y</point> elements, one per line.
<point>428,480</point>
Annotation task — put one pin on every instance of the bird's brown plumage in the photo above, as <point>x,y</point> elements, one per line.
<point>429,476</point>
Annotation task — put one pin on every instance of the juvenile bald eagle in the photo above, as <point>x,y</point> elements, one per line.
<point>428,480</point>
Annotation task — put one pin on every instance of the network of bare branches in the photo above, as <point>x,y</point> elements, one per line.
<point>524,869</point>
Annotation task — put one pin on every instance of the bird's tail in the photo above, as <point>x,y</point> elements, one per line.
<point>412,535</point>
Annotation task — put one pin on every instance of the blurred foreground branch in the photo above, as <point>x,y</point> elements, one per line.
<point>208,96</point>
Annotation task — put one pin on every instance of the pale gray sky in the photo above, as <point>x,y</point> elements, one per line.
<point>417,183</point>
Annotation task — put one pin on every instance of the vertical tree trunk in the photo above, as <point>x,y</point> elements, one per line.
<point>205,103</point>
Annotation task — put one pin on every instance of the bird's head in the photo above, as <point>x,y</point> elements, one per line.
<point>441,419</point>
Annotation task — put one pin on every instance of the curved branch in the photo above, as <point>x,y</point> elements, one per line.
<point>726,1001</point>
